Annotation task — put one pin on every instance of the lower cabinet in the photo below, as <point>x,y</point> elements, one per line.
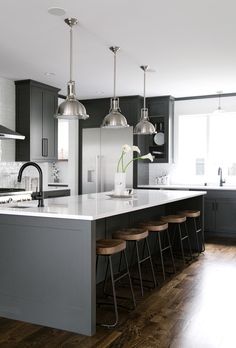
<point>220,212</point>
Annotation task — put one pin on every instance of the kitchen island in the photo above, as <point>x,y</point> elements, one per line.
<point>48,254</point>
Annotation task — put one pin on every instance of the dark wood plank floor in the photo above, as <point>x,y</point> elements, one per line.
<point>194,309</point>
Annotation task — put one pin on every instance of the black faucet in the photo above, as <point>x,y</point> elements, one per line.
<point>220,173</point>
<point>40,194</point>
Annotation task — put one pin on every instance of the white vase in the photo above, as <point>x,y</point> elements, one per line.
<point>119,183</point>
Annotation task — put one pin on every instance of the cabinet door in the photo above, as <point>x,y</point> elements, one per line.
<point>210,217</point>
<point>36,125</point>
<point>226,215</point>
<point>49,130</point>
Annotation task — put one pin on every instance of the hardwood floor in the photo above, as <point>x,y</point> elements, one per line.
<point>194,309</point>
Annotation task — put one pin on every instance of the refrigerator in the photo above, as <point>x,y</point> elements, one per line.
<point>101,149</point>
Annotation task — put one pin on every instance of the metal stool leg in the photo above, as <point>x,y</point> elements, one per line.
<point>105,279</point>
<point>151,263</point>
<point>171,251</point>
<point>196,235</point>
<point>161,255</point>
<point>114,296</point>
<point>181,243</point>
<point>130,282</point>
<point>139,268</point>
<point>188,239</point>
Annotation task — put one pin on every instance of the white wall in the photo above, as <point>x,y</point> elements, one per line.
<point>7,116</point>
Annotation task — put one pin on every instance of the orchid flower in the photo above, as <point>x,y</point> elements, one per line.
<point>125,149</point>
<point>136,149</point>
<point>147,156</point>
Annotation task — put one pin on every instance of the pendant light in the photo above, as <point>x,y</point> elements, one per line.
<point>71,108</point>
<point>219,109</point>
<point>114,119</point>
<point>144,126</point>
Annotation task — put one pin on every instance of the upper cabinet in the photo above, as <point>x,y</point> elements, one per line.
<point>161,113</point>
<point>36,104</point>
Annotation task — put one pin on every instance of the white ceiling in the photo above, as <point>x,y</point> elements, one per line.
<point>189,43</point>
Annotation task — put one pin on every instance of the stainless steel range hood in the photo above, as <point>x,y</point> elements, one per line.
<point>6,133</point>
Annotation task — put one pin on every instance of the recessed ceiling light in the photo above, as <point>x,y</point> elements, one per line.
<point>56,11</point>
<point>49,74</point>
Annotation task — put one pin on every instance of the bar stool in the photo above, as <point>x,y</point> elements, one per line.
<point>179,220</point>
<point>107,248</point>
<point>161,230</point>
<point>136,235</point>
<point>194,215</point>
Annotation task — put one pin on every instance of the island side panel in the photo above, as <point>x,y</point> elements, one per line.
<point>47,272</point>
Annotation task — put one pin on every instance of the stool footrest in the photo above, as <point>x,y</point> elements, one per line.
<point>166,248</point>
<point>145,259</point>
<point>145,280</point>
<point>121,277</point>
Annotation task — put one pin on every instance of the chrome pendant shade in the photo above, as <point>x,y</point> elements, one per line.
<point>114,119</point>
<point>144,126</point>
<point>71,108</point>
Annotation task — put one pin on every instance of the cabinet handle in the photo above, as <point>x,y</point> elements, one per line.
<point>45,147</point>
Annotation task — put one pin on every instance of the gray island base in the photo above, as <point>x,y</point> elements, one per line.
<point>48,255</point>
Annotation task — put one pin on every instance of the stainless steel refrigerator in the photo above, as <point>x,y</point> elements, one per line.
<point>101,149</point>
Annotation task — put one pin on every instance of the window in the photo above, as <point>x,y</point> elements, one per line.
<point>63,137</point>
<point>205,143</point>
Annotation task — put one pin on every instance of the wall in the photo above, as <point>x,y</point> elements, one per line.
<point>187,107</point>
<point>7,116</point>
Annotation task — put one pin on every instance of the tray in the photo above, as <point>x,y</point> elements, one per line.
<point>112,195</point>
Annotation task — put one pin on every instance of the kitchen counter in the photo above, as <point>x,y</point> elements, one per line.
<point>48,255</point>
<point>189,187</point>
<point>98,205</point>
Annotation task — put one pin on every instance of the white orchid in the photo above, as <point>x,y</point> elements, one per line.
<point>147,156</point>
<point>127,148</point>
<point>136,149</point>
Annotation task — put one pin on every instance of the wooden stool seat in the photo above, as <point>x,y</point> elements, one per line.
<point>174,219</point>
<point>194,216</point>
<point>155,226</point>
<point>109,246</point>
<point>137,236</point>
<point>131,234</point>
<point>191,213</point>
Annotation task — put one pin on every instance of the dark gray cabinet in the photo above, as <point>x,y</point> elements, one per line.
<point>220,212</point>
<point>161,114</point>
<point>36,104</point>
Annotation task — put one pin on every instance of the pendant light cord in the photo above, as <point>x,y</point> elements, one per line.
<point>115,74</point>
<point>144,89</point>
<point>71,53</point>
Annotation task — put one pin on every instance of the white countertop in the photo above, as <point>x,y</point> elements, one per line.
<point>98,205</point>
<point>190,187</point>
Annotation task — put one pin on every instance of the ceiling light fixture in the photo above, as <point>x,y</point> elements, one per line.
<point>114,119</point>
<point>71,108</point>
<point>219,109</point>
<point>144,126</point>
<point>56,11</point>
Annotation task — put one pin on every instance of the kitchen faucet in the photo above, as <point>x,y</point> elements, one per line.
<point>220,173</point>
<point>40,195</point>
